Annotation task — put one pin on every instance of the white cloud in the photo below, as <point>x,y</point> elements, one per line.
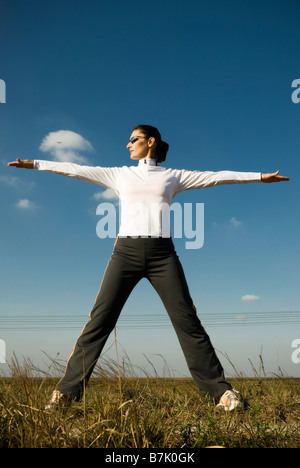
<point>107,194</point>
<point>232,222</point>
<point>235,222</point>
<point>65,146</point>
<point>25,204</point>
<point>15,182</point>
<point>250,297</point>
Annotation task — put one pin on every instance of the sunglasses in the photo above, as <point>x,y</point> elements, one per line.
<point>135,138</point>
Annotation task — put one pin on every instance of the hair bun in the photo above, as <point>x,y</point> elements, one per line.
<point>162,150</point>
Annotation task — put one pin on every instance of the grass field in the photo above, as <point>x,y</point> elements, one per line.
<point>124,411</point>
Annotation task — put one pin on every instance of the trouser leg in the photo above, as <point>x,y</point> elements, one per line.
<point>119,279</point>
<point>169,281</point>
<point>156,260</point>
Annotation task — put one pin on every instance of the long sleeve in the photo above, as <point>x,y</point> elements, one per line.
<point>105,176</point>
<point>188,180</point>
<point>145,191</point>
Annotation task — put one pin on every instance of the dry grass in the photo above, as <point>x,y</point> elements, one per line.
<point>121,410</point>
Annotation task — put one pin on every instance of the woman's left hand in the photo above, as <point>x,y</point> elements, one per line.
<point>274,177</point>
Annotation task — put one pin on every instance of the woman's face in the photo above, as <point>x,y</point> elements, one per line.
<point>140,147</point>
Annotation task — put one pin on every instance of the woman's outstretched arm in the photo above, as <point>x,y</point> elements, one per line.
<point>25,163</point>
<point>188,180</point>
<point>274,177</point>
<point>266,178</point>
<point>105,176</point>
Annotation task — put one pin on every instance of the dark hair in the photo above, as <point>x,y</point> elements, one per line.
<point>161,146</point>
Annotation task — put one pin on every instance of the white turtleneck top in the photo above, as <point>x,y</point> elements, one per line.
<point>146,189</point>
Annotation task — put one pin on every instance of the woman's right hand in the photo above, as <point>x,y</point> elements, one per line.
<point>25,163</point>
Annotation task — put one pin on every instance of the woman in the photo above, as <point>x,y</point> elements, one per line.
<point>141,251</point>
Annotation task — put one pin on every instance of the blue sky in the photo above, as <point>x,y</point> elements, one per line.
<point>215,78</point>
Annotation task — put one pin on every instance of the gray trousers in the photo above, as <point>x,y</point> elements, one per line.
<point>155,259</point>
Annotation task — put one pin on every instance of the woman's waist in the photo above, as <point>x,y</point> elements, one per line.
<point>144,242</point>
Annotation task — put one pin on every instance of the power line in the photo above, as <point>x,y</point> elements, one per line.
<point>150,321</point>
